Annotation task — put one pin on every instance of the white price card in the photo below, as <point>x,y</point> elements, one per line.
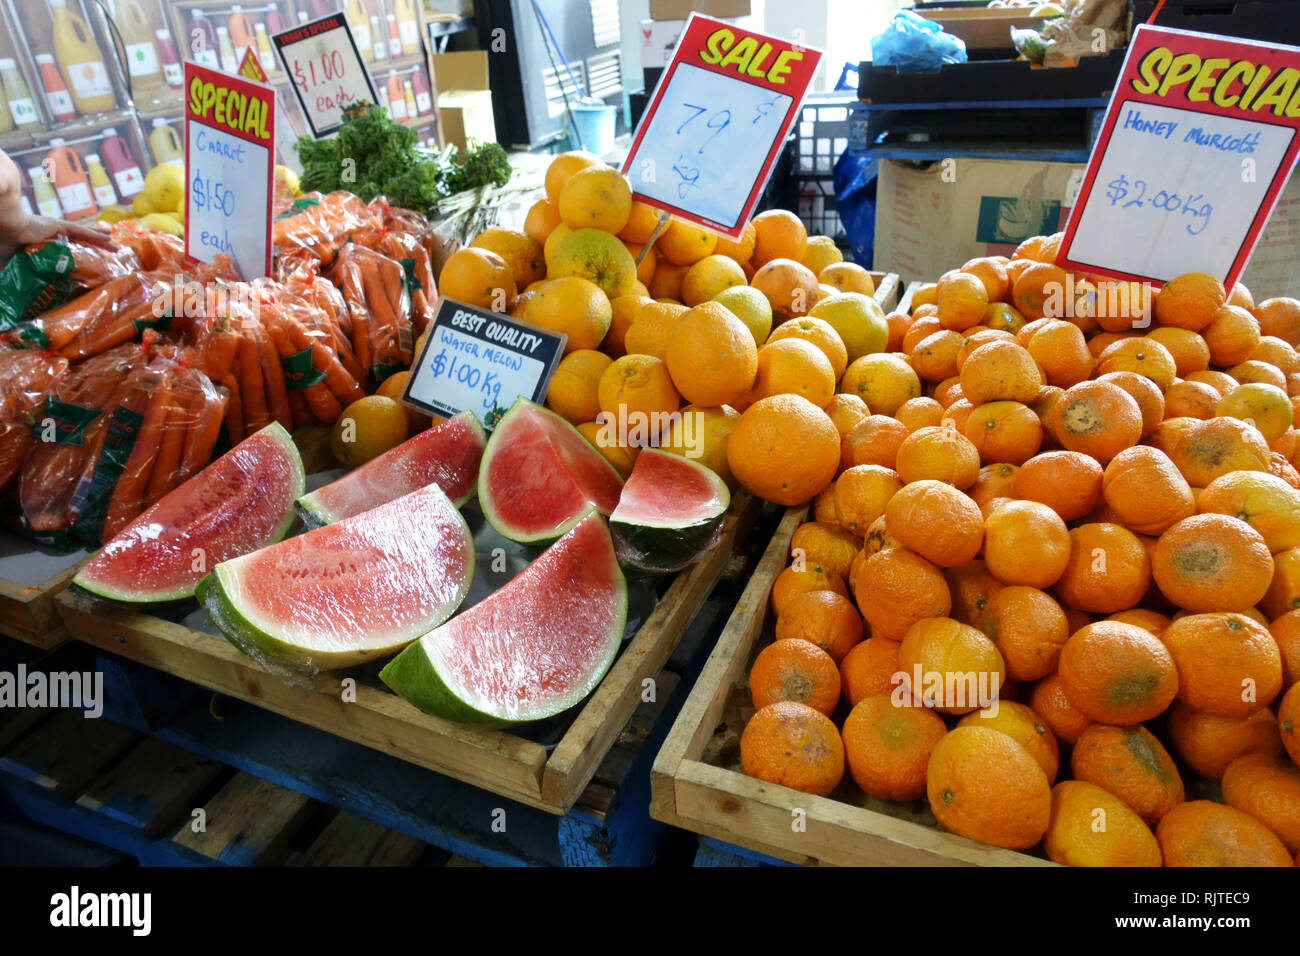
<point>324,65</point>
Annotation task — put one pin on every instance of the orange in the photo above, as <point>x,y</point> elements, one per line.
<point>1267,407</point>
<point>1131,764</point>
<point>650,330</point>
<point>1221,382</point>
<point>920,329</point>
<point>1190,301</point>
<point>645,264</point>
<point>1212,562</point>
<point>367,428</point>
<point>751,307</point>
<point>1116,673</point>
<point>623,312</point>
<point>1038,290</point>
<point>888,747</point>
<point>563,167</point>
<point>1252,370</point>
<point>1003,317</point>
<point>1060,348</point>
<point>595,255</point>
<point>1004,432</point>
<point>1146,491</point>
<point>1026,543</point>
<point>574,306</point>
<point>918,413</point>
<point>959,669</point>
<point>1232,336</point>
<point>979,335</point>
<point>667,281</point>
<point>983,785</point>
<point>637,389</point>
<point>605,439</point>
<point>711,356</point>
<point>1277,352</point>
<point>792,366</point>
<point>1097,418</point>
<point>958,414</point>
<point>1141,355</point>
<point>897,588</point>
<point>1048,700</point>
<point>824,505</point>
<point>795,670</point>
<point>874,441</point>
<point>861,494</point>
<point>1280,317</point>
<point>826,545</point>
<point>1151,621</point>
<point>739,250</point>
<point>521,252</point>
<point>877,538</point>
<point>869,669</point>
<point>1189,350</point>
<point>1023,726</point>
<point>884,381</point>
<point>1288,722</point>
<point>1208,743</point>
<point>1092,827</point>
<point>573,392</point>
<point>1108,571</point>
<point>1149,398</point>
<point>1203,833</point>
<point>684,244</point>
<point>1228,664</point>
<point>784,448</point>
<point>847,277</point>
<point>477,277</point>
<point>541,221</point>
<point>793,745</point>
<point>995,481</point>
<point>992,273</point>
<point>1068,482</point>
<point>999,371</point>
<point>1028,628</point>
<point>790,288</point>
<point>972,588</point>
<point>962,301</point>
<point>819,333</point>
<point>1268,788</point>
<point>1286,631</point>
<point>938,453</point>
<point>796,580</point>
<point>1217,446</point>
<point>641,221</point>
<point>778,234</point>
<point>846,411</point>
<point>936,521</point>
<point>1265,502</point>
<point>1123,305</point>
<point>935,356</point>
<point>709,276</point>
<point>1189,399</point>
<point>393,387</point>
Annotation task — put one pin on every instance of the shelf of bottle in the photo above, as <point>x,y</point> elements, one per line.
<point>73,130</point>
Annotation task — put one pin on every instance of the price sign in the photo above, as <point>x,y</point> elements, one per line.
<point>716,123</point>
<point>481,361</point>
<point>1197,143</point>
<point>328,76</point>
<point>229,168</point>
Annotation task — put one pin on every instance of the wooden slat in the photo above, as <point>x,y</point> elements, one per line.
<point>15,722</point>
<point>63,753</point>
<point>45,640</point>
<point>152,788</point>
<point>886,294</point>
<point>247,822</point>
<point>588,739</point>
<point>27,612</point>
<point>349,840</point>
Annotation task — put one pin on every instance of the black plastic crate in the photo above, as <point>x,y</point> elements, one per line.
<point>1094,77</point>
<point>1272,21</point>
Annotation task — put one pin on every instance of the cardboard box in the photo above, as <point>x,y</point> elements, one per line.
<point>931,220</point>
<point>1274,266</point>
<point>681,9</point>
<point>659,39</point>
<point>464,99</point>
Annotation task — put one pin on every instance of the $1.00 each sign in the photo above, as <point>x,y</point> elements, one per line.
<point>481,361</point>
<point>716,123</point>
<point>328,76</point>
<point>1197,143</point>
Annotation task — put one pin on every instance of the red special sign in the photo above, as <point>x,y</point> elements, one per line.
<point>716,123</point>
<point>1197,143</point>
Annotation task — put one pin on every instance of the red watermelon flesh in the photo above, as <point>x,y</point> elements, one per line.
<point>530,650</point>
<point>447,455</point>
<point>540,477</point>
<point>348,592</point>
<point>239,503</point>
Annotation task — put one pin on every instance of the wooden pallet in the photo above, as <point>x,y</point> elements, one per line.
<point>696,783</point>
<point>27,611</point>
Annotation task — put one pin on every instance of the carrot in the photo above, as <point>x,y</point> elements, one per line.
<point>302,413</point>
<point>343,385</point>
<point>128,491</point>
<point>16,440</point>
<point>166,466</point>
<point>219,351</point>
<point>209,408</point>
<point>324,406</point>
<point>234,411</point>
<point>252,390</point>
<point>273,375</point>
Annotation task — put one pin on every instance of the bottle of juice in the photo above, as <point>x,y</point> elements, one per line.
<point>274,22</point>
<point>56,93</point>
<point>101,186</point>
<point>121,165</point>
<point>71,181</point>
<point>165,144</point>
<point>394,38</point>
<point>21,105</point>
<point>408,28</point>
<point>423,98</point>
<point>241,32</point>
<point>203,40</point>
<point>79,59</point>
<point>173,74</point>
<point>227,50</point>
<point>396,100</point>
<point>137,36</point>
<point>359,22</point>
<point>321,8</point>
<point>264,52</point>
<point>47,201</point>
<point>379,39</point>
<point>408,94</point>
<point>24,186</point>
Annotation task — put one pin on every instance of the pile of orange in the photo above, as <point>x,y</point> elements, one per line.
<point>1054,571</point>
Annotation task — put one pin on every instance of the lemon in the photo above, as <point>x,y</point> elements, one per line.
<point>163,222</point>
<point>858,319</point>
<point>141,205</point>
<point>112,214</point>
<point>368,428</point>
<point>751,307</point>
<point>164,187</point>
<point>287,176</point>
<point>701,435</point>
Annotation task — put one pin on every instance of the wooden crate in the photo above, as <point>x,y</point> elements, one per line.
<point>500,761</point>
<point>27,611</point>
<point>888,287</point>
<point>691,790</point>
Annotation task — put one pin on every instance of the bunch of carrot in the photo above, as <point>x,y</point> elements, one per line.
<point>26,379</point>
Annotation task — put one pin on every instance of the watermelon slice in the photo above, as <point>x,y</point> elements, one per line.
<point>343,594</point>
<point>669,513</point>
<point>447,455</point>
<point>540,477</point>
<point>239,503</point>
<point>530,650</point>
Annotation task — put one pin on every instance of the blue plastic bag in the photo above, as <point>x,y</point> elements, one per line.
<point>916,45</point>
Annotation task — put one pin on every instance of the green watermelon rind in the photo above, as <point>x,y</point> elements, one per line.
<point>282,437</point>
<point>499,524</point>
<point>314,515</point>
<point>417,676</point>
<point>214,594</point>
<point>662,547</point>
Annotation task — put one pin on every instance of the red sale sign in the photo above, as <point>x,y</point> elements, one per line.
<point>328,76</point>
<point>1197,144</point>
